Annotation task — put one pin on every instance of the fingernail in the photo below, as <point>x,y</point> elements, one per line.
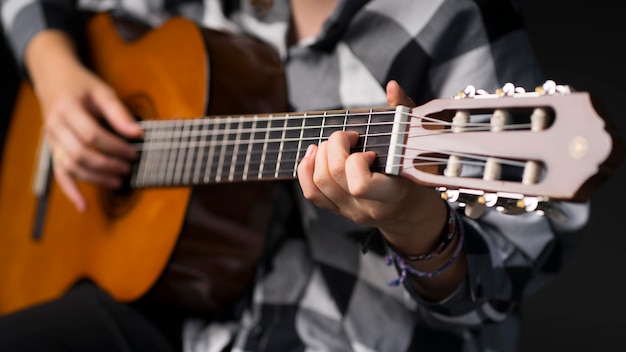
<point>309,150</point>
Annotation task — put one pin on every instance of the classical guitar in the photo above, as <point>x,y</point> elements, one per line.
<point>512,150</point>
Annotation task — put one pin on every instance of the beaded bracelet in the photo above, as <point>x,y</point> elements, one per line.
<point>399,261</point>
<point>445,238</point>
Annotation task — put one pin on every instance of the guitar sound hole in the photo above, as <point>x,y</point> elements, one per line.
<point>117,203</point>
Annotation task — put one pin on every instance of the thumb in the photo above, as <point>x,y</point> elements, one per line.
<point>116,114</point>
<point>396,95</point>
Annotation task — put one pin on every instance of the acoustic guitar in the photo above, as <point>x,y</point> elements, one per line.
<point>530,149</point>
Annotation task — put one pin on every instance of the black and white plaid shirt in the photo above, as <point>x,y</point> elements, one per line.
<point>320,293</point>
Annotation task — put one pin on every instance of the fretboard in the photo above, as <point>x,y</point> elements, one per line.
<point>249,147</point>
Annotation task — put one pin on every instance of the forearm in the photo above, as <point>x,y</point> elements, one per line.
<point>49,52</point>
<point>24,20</point>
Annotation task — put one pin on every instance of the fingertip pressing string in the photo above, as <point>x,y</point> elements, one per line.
<point>395,258</point>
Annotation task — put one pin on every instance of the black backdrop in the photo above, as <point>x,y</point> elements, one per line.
<point>580,44</point>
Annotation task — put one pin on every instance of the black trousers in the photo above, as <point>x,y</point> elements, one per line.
<point>87,319</point>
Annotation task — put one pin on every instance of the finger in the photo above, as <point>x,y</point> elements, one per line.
<point>104,179</point>
<point>322,177</point>
<point>70,189</point>
<point>396,95</point>
<point>116,114</point>
<point>309,189</point>
<point>338,146</point>
<point>84,159</point>
<point>91,161</point>
<point>65,163</point>
<point>369,185</point>
<point>94,135</point>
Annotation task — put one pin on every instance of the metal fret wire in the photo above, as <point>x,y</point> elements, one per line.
<point>163,135</point>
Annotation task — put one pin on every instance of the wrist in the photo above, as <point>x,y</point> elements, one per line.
<point>430,268</point>
<point>441,248</point>
<point>437,277</point>
<point>444,239</point>
<point>421,229</point>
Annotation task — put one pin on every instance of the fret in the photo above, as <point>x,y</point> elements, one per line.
<point>299,147</point>
<point>273,144</point>
<point>378,132</point>
<point>288,143</point>
<point>139,176</point>
<point>260,137</point>
<point>161,150</point>
<point>164,145</point>
<point>333,121</point>
<point>281,146</point>
<point>223,148</point>
<point>190,145</point>
<point>246,166</point>
<point>367,130</point>
<point>181,156</point>
<point>201,148</point>
<point>192,150</point>
<point>213,145</point>
<point>241,148</point>
<point>265,147</point>
<point>147,152</point>
<point>320,139</point>
<point>155,156</point>
<point>357,121</point>
<point>233,160</point>
<point>174,150</point>
<point>311,132</point>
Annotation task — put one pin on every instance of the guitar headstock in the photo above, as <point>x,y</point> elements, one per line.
<point>512,150</point>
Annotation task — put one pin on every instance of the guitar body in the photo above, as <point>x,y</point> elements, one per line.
<point>124,240</point>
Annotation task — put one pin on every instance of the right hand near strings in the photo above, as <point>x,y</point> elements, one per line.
<point>75,103</point>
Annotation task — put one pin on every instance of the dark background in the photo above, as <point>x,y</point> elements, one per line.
<point>580,44</point>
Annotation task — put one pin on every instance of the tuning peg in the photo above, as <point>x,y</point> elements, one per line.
<point>509,206</point>
<point>539,205</point>
<point>507,89</point>
<point>508,203</point>
<point>450,195</point>
<point>550,88</point>
<point>472,201</point>
<point>475,202</point>
<point>476,208</point>
<point>468,92</point>
<point>491,199</point>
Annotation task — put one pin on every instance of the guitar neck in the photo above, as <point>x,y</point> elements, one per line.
<point>256,147</point>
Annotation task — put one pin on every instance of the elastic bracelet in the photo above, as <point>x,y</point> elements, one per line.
<point>445,238</point>
<point>404,268</point>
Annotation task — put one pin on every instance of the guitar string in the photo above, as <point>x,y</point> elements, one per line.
<point>443,160</point>
<point>476,127</point>
<point>165,134</point>
<point>156,143</point>
<point>163,125</point>
<point>478,160</point>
